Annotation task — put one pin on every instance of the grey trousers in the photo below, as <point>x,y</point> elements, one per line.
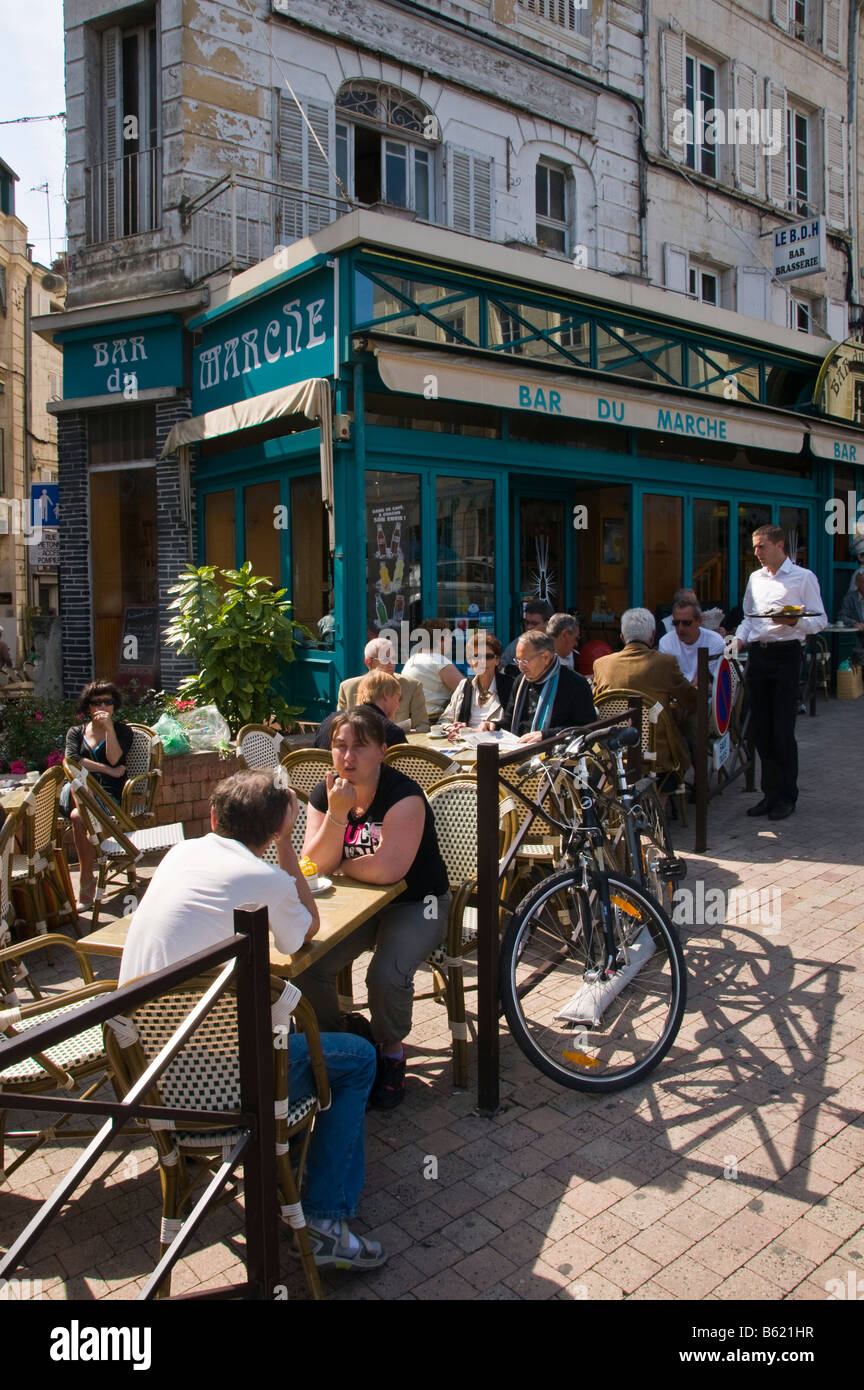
<point>401,936</point>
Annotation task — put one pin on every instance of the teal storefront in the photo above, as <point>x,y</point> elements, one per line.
<point>488,440</point>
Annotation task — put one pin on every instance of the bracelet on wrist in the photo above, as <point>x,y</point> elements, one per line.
<point>341,823</point>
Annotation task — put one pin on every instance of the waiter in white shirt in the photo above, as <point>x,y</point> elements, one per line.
<point>774,663</point>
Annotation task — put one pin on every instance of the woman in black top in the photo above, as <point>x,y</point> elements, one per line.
<point>101,744</point>
<point>370,822</point>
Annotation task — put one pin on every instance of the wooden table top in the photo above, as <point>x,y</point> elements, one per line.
<point>342,909</point>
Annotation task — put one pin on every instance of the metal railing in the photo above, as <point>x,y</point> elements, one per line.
<point>248,954</point>
<point>123,196</point>
<point>237,222</point>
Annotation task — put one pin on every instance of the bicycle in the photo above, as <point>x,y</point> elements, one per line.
<point>592,977</point>
<point>638,832</point>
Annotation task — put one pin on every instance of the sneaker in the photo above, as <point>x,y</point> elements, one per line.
<point>388,1088</point>
<point>332,1249</point>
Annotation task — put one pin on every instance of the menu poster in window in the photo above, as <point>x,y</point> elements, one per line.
<point>387,523</point>
<point>140,641</point>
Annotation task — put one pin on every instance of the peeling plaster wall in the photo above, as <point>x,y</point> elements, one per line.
<point>218,78</point>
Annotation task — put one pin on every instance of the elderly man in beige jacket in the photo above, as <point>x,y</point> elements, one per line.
<point>379,656</point>
<point>655,675</point>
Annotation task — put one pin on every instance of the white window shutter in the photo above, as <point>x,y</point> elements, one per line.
<point>470,192</point>
<point>781,13</point>
<point>290,167</point>
<point>752,291</point>
<point>109,194</point>
<point>672,94</point>
<point>834,150</point>
<point>744,82</point>
<point>776,171</point>
<point>319,183</point>
<point>676,264</point>
<point>831,18</point>
<point>837,320</point>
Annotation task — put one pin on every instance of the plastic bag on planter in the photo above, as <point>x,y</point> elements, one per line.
<point>174,740</point>
<point>205,728</point>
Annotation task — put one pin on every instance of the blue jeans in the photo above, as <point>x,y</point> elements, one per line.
<point>337,1152</point>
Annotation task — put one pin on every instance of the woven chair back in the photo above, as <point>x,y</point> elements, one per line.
<point>39,813</point>
<point>616,702</point>
<point>145,753</point>
<point>259,747</point>
<point>7,849</point>
<point>206,1073</point>
<point>425,766</point>
<point>298,834</point>
<point>307,767</point>
<point>454,806</point>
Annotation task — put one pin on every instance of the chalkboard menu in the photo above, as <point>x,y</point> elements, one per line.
<point>140,641</point>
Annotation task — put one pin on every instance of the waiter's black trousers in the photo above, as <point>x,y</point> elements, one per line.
<point>773,674</point>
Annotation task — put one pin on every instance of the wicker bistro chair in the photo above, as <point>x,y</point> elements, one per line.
<point>654,717</point>
<point>426,766</point>
<point>63,1067</point>
<point>454,806</point>
<point>119,844</point>
<point>206,1075</point>
<point>143,775</point>
<point>40,877</point>
<point>306,767</point>
<point>12,972</point>
<point>259,747</point>
<point>298,834</point>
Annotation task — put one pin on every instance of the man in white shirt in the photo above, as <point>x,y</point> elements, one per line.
<point>687,636</point>
<point>774,640</point>
<point>411,713</point>
<point>189,905</point>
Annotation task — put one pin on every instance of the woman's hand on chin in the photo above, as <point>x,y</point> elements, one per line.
<point>341,796</point>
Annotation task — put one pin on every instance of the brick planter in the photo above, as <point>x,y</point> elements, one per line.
<point>187,782</point>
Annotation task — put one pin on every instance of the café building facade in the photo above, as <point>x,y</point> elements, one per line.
<point>396,421</point>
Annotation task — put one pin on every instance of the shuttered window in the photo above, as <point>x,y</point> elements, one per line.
<point>308,189</point>
<point>124,187</point>
<point>469,192</point>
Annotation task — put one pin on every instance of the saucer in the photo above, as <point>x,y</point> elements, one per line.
<point>323,885</point>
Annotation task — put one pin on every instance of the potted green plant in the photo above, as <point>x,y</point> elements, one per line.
<point>239,632</point>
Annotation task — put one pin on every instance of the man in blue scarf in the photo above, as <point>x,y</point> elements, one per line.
<point>548,697</point>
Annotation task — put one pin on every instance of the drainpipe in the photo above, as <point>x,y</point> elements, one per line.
<point>643,121</point>
<point>26,643</point>
<point>855,8</point>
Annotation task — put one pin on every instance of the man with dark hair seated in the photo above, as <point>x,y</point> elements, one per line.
<point>189,906</point>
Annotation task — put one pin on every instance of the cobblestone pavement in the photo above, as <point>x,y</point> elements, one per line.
<point>734,1172</point>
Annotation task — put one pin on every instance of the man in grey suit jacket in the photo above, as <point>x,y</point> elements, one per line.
<point>379,656</point>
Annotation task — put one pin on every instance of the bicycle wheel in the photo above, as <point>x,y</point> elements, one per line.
<point>586,1033</point>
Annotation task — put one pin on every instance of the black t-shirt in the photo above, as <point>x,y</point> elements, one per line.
<point>427,875</point>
